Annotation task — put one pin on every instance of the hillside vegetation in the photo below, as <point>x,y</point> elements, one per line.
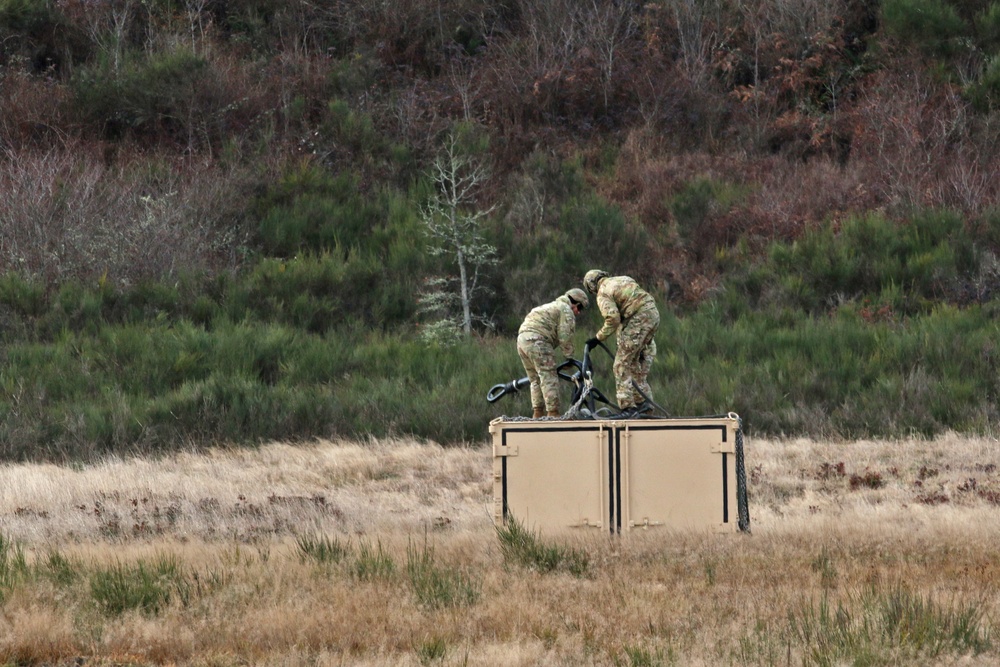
<point>233,221</point>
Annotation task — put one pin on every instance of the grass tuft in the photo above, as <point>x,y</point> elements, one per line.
<point>432,651</point>
<point>373,563</point>
<point>13,565</point>
<point>146,587</point>
<point>525,548</point>
<point>322,549</point>
<point>882,624</point>
<point>436,586</point>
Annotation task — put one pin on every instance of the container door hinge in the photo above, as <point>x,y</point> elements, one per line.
<point>586,523</point>
<point>645,524</point>
<point>724,448</point>
<point>505,451</point>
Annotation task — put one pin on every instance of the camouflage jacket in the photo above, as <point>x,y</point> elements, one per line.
<point>619,298</point>
<point>554,322</point>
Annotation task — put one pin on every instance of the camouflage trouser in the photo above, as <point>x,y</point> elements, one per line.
<point>634,357</point>
<point>539,361</point>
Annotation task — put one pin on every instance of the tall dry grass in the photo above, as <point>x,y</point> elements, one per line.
<point>840,525</point>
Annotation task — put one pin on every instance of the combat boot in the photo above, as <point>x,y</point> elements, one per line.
<point>553,413</point>
<point>537,413</point>
<point>627,413</point>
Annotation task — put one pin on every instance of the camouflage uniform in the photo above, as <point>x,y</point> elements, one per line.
<point>631,312</point>
<point>544,329</point>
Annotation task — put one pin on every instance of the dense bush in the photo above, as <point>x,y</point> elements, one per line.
<point>903,267</point>
<point>153,96</point>
<point>933,26</point>
<point>555,231</point>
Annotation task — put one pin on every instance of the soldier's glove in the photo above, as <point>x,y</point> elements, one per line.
<point>593,342</point>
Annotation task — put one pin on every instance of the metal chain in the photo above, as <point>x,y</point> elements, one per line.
<point>743,506</point>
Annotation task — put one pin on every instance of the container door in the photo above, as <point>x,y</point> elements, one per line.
<point>552,477</point>
<point>677,476</point>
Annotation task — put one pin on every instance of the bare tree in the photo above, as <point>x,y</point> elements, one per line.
<point>610,25</point>
<point>697,22</point>
<point>454,227</point>
<point>196,21</point>
<point>108,25</point>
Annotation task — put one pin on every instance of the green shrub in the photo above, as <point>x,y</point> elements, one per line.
<point>640,656</point>
<point>149,95</point>
<point>29,16</point>
<point>702,197</point>
<point>334,217</point>
<point>59,569</point>
<point>432,650</point>
<point>987,24</point>
<point>916,263</point>
<point>344,257</point>
<point>356,129</point>
<point>933,26</point>
<point>24,297</point>
<point>354,74</point>
<point>985,92</point>
<point>588,233</point>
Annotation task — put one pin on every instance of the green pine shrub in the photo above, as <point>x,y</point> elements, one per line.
<point>908,265</point>
<point>694,206</point>
<point>987,24</point>
<point>28,16</point>
<point>984,93</point>
<point>336,215</point>
<point>588,234</point>
<point>151,95</point>
<point>40,32</point>
<point>24,297</point>
<point>932,26</point>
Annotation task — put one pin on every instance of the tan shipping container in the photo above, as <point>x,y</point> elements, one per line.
<point>620,475</point>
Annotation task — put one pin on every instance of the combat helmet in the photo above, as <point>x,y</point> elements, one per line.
<point>592,278</point>
<point>578,296</point>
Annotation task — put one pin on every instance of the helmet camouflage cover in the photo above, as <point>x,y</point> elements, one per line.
<point>577,295</point>
<point>592,278</point>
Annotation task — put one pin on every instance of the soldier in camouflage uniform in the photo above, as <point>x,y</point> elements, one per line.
<point>630,312</point>
<point>544,329</point>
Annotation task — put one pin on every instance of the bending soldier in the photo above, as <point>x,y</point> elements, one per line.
<point>630,312</point>
<point>544,329</point>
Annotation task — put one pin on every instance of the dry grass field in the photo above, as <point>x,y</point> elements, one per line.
<point>384,553</point>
